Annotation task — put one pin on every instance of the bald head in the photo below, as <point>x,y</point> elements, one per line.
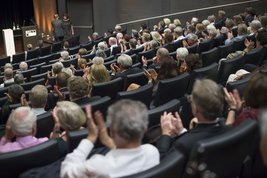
<point>23,66</point>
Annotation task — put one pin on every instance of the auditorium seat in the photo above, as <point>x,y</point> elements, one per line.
<point>14,163</point>
<point>28,73</point>
<point>223,155</point>
<point>46,68</point>
<point>171,166</point>
<point>147,54</point>
<point>108,88</point>
<point>18,57</point>
<point>154,114</point>
<point>38,67</point>
<point>44,51</point>
<point>45,125</point>
<point>28,85</point>
<point>138,78</point>
<point>88,46</point>
<point>177,44</point>
<point>56,47</point>
<point>74,50</point>
<point>225,50</point>
<point>74,138</point>
<point>210,56</point>
<point>238,45</point>
<point>34,53</point>
<point>171,88</point>
<point>4,60</point>
<point>192,49</point>
<point>39,76</point>
<point>254,56</point>
<point>205,46</point>
<point>143,94</point>
<point>240,85</point>
<point>228,67</point>
<point>46,58</point>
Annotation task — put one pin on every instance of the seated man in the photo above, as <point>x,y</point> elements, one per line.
<point>125,68</point>
<point>207,104</point>
<point>22,125</point>
<point>38,99</point>
<point>79,90</point>
<point>8,77</point>
<point>128,122</point>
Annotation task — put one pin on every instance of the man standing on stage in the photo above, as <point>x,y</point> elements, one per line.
<point>57,28</point>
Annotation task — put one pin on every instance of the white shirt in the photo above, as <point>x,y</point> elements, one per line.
<point>116,163</point>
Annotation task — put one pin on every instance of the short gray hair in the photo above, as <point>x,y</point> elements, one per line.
<point>65,55</point>
<point>129,119</point>
<point>22,121</point>
<point>38,96</point>
<point>255,24</point>
<point>23,66</point>
<point>98,60</point>
<point>57,67</point>
<point>125,61</point>
<point>181,53</point>
<point>208,98</point>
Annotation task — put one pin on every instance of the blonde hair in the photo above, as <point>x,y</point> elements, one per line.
<point>98,73</point>
<point>70,115</point>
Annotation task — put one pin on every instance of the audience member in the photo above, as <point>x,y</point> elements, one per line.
<point>124,67</point>
<point>254,99</point>
<point>191,62</point>
<point>38,99</point>
<point>68,116</point>
<point>128,122</point>
<point>21,125</point>
<point>23,66</point>
<point>67,27</point>
<point>207,105</point>
<point>14,96</point>
<point>8,77</point>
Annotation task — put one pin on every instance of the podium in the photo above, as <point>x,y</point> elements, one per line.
<point>9,44</point>
<point>30,35</point>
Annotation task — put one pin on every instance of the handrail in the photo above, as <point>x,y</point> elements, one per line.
<point>188,11</point>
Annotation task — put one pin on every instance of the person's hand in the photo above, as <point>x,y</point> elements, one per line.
<point>239,102</point>
<point>230,99</point>
<point>49,74</point>
<point>177,124</point>
<point>9,98</point>
<point>114,68</point>
<point>103,133</point>
<point>151,75</point>
<point>185,44</point>
<point>89,38</point>
<point>249,45</point>
<point>93,131</point>
<point>56,130</point>
<point>155,60</point>
<point>230,35</point>
<point>144,61</point>
<point>23,100</point>
<point>166,124</point>
<point>61,96</point>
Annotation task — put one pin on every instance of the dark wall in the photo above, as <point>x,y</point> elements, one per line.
<point>107,13</point>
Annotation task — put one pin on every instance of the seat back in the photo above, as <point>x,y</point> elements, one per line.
<point>177,44</point>
<point>210,56</point>
<point>147,54</point>
<point>254,56</point>
<point>155,113</point>
<point>225,50</point>
<point>56,47</point>
<point>30,85</point>
<point>205,46</point>
<point>108,88</point>
<point>4,60</point>
<point>39,76</point>
<point>45,125</point>
<point>87,46</point>
<point>192,49</point>
<point>38,66</point>
<point>143,94</point>
<point>46,58</point>
<point>239,45</point>
<point>138,78</point>
<point>74,50</point>
<point>171,88</point>
<point>228,67</point>
<point>28,73</point>
<point>171,166</point>
<point>34,53</point>
<point>45,68</point>
<point>240,85</point>
<point>18,57</point>
<point>116,50</point>
<point>88,56</point>
<point>45,50</point>
<point>14,163</point>
<point>209,72</point>
<point>74,138</point>
<point>230,148</point>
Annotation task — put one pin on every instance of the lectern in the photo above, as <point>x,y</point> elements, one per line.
<point>30,35</point>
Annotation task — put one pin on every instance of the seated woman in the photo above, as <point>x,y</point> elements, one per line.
<point>255,98</point>
<point>168,69</point>
<point>68,116</point>
<point>191,62</point>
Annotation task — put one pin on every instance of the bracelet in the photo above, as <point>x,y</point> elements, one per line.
<point>232,109</point>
